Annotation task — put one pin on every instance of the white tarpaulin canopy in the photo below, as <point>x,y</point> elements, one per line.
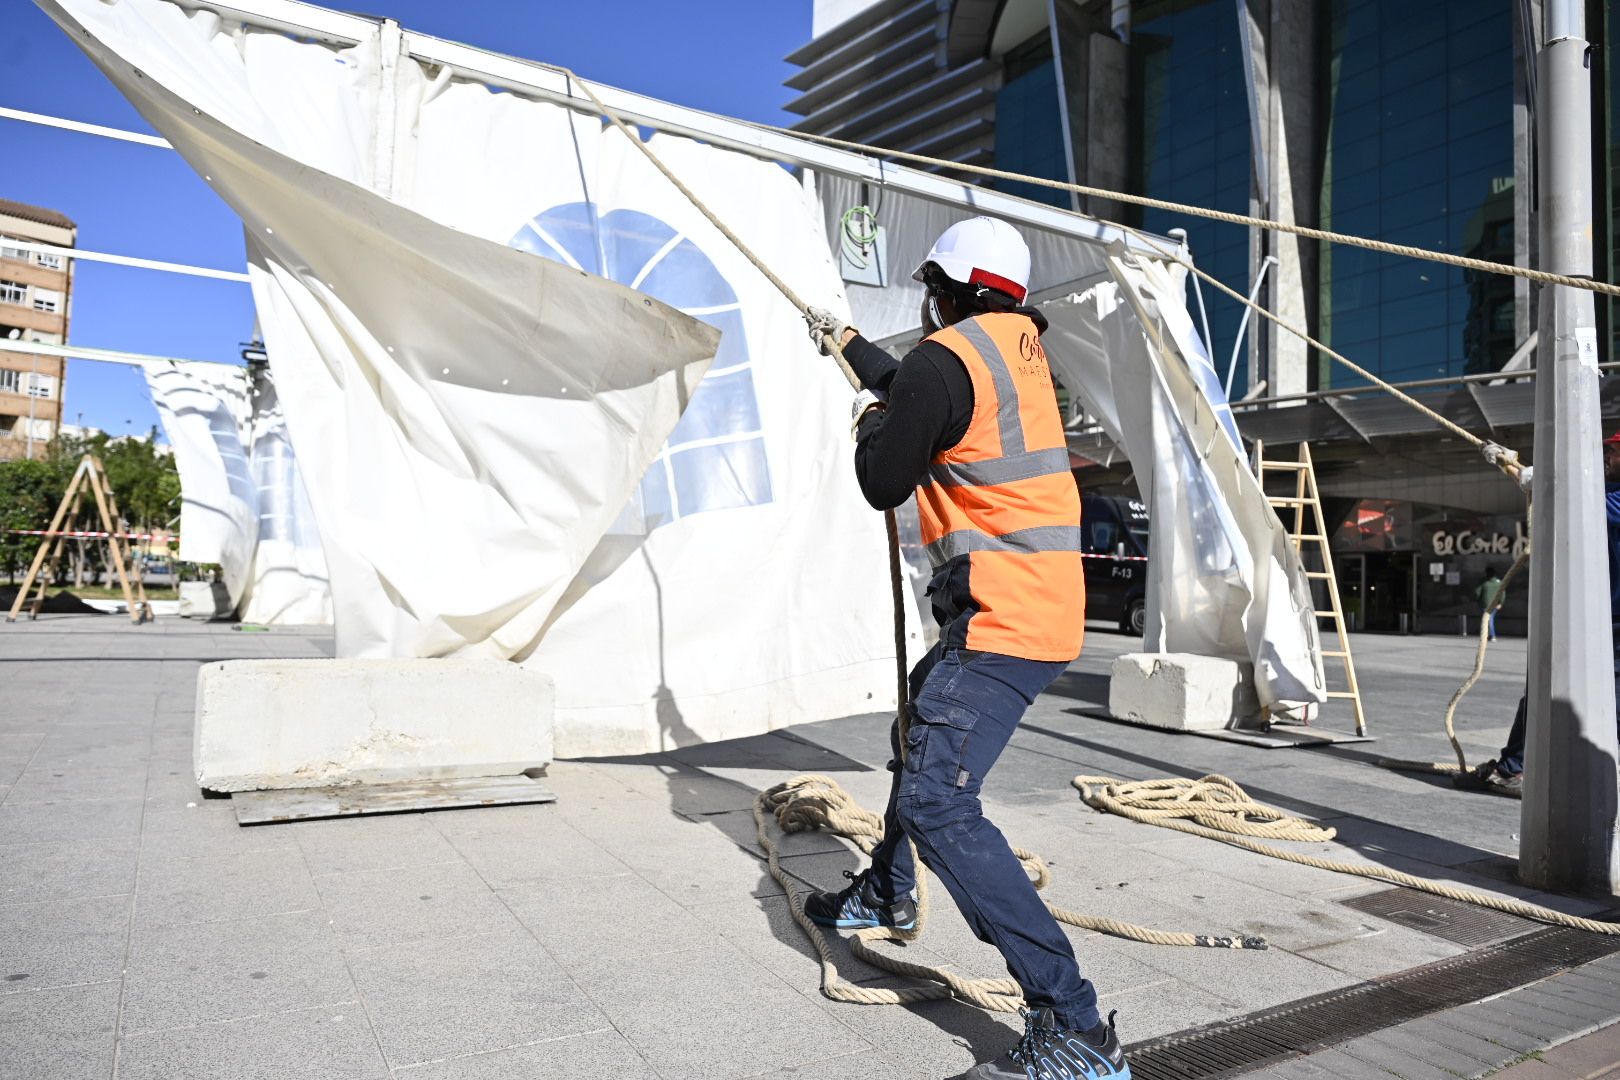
<point>1223,580</point>
<point>490,439</point>
<point>510,456</point>
<point>204,409</point>
<point>243,504</point>
<point>470,419</point>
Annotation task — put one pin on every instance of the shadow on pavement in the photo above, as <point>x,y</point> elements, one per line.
<point>1366,836</point>
<point>694,800</point>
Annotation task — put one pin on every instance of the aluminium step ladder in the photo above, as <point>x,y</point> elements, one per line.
<point>1306,497</point>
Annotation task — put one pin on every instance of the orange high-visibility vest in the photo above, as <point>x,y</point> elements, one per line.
<point>1000,510</point>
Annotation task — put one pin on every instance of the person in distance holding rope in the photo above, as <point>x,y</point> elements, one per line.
<point>969,421</point>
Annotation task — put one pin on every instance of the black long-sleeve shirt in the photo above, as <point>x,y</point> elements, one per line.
<point>929,409</point>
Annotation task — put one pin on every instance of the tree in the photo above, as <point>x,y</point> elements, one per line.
<point>144,483</point>
<point>29,493</point>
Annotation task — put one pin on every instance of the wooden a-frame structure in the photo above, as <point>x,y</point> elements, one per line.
<point>91,477</point>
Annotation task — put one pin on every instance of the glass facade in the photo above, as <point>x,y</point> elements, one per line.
<point>1190,129</point>
<point>1418,149</point>
<point>1029,124</point>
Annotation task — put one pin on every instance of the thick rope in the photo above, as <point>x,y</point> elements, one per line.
<point>1208,799</point>
<point>1507,460</point>
<point>1504,459</point>
<point>1326,235</point>
<point>1468,684</point>
<point>813,802</point>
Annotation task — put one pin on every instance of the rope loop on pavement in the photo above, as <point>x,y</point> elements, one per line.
<point>818,803</point>
<point>1138,801</point>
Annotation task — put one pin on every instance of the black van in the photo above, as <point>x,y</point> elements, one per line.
<point>1114,544</point>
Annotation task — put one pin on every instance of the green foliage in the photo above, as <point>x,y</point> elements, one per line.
<point>144,483</point>
<point>29,492</point>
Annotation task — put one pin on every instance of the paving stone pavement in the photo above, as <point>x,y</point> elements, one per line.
<point>631,930</point>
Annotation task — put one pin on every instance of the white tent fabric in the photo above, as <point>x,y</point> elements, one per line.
<point>470,419</point>
<point>243,503</point>
<point>203,409</point>
<point>286,584</point>
<point>739,586</point>
<point>744,586</point>
<point>1223,580</point>
<point>735,586</point>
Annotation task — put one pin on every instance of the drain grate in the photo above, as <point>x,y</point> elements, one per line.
<point>1453,920</point>
<point>1311,1024</point>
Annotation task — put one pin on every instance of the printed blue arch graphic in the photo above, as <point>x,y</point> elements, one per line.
<point>715,458</point>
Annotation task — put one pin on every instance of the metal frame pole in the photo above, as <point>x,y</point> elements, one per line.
<point>1568,818</point>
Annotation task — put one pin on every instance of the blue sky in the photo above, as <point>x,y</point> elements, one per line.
<point>721,55</point>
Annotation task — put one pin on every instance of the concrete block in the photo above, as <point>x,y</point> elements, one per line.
<point>1183,691</point>
<point>205,600</point>
<point>321,723</point>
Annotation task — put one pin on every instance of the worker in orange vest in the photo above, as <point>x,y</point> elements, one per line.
<point>969,421</point>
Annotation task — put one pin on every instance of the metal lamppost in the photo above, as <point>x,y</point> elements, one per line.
<point>1568,818</point>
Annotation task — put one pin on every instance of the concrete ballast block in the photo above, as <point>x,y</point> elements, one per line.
<point>204,600</point>
<point>1183,691</point>
<point>264,724</point>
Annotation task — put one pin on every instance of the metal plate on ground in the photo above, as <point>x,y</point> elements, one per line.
<point>304,804</point>
<point>1302,1027</point>
<point>1315,735</point>
<point>1275,737</point>
<point>1453,920</point>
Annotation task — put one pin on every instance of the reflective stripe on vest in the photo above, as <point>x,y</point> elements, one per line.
<point>1007,419</point>
<point>1026,541</point>
<point>1002,470</point>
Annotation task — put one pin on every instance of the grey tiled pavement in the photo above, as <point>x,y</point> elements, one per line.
<point>630,929</point>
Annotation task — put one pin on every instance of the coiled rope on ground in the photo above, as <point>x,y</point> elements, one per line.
<point>1193,802</point>
<point>818,803</point>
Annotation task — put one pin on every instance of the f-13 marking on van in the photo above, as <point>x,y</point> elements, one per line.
<point>1114,544</point>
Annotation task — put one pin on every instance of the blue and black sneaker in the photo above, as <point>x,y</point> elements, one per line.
<point>1048,1052</point>
<point>855,908</point>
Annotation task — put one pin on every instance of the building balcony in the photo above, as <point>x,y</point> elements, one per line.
<point>27,318</point>
<point>17,405</point>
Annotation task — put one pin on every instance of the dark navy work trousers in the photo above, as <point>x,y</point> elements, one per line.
<point>965,707</point>
<point>1510,759</point>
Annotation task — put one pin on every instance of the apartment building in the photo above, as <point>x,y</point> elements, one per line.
<point>35,302</point>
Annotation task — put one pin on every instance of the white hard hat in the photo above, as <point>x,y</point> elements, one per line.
<point>982,251</point>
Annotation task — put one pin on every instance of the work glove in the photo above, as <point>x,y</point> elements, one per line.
<point>823,323</point>
<point>865,402</point>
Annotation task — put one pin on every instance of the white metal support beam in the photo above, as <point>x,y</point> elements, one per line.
<point>106,356</point>
<point>124,260</point>
<point>84,128</point>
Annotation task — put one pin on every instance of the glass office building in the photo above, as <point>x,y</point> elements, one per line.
<point>1029,123</point>
<point>1399,119</point>
<point>1415,145</point>
<point>1417,148</point>
<point>1189,127</point>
